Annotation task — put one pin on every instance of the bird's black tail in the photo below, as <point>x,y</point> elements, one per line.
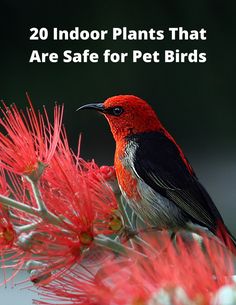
<point>233,242</point>
<point>227,237</point>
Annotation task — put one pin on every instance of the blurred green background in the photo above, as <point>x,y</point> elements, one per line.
<point>196,102</point>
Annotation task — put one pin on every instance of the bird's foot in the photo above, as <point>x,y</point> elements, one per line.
<point>127,234</point>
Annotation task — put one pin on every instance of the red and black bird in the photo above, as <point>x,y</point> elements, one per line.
<point>153,173</point>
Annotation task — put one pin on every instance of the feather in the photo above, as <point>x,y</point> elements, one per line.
<point>158,162</point>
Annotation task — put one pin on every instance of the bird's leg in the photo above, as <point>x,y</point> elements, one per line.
<point>127,234</point>
<point>173,237</point>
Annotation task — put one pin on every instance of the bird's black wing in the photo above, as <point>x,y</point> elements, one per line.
<point>157,161</point>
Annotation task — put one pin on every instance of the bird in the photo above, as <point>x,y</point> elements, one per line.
<point>154,176</point>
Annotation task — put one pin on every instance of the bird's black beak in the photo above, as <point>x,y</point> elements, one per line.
<point>99,107</point>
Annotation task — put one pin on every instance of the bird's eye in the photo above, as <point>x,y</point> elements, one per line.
<point>117,111</point>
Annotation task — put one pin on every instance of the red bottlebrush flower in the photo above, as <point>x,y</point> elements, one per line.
<point>179,274</point>
<point>80,187</point>
<point>30,139</point>
<point>108,173</point>
<point>73,288</point>
<point>7,233</point>
<point>8,251</point>
<point>73,204</point>
<point>86,207</point>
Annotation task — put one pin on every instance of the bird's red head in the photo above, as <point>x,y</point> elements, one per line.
<point>127,115</point>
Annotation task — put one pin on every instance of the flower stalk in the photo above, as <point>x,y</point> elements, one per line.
<point>115,246</point>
